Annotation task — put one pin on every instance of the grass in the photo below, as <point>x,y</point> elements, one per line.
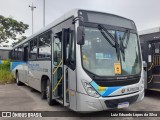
<point>6,77</point>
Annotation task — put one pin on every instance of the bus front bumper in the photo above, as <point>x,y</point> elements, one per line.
<point>87,103</point>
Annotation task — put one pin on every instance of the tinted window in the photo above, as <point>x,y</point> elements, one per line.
<point>20,53</point>
<point>71,48</point>
<point>15,53</point>
<point>57,51</point>
<point>33,49</point>
<point>45,45</point>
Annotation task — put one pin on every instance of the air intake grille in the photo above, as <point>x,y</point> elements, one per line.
<point>114,103</point>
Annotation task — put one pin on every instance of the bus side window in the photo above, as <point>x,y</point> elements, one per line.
<point>25,54</point>
<point>33,49</point>
<point>57,51</point>
<point>71,51</point>
<point>44,45</point>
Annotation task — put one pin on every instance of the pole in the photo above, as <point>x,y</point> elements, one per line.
<point>43,13</point>
<point>32,18</point>
<point>32,9</point>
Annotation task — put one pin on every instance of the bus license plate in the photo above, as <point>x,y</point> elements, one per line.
<point>123,105</point>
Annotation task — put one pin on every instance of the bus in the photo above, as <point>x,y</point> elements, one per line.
<point>4,54</point>
<point>85,60</point>
<point>150,45</point>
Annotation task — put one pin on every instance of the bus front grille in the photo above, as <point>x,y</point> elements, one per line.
<point>114,82</point>
<point>114,103</point>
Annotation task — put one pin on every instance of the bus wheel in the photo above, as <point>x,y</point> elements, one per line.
<point>49,94</point>
<point>44,90</point>
<point>17,80</point>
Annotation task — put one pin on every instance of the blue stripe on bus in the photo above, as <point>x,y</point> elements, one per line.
<point>15,64</point>
<point>0,61</point>
<point>107,91</point>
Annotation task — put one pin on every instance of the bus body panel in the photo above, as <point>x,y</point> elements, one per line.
<point>87,103</point>
<point>16,65</point>
<point>31,72</point>
<point>37,69</point>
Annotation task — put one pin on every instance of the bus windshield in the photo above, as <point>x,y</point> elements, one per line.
<point>100,53</point>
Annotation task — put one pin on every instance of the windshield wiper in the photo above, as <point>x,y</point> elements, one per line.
<point>124,36</point>
<point>122,46</point>
<point>101,27</point>
<point>128,35</point>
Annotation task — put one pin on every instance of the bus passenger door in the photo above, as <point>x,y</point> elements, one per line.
<point>69,82</point>
<point>62,66</point>
<point>57,76</point>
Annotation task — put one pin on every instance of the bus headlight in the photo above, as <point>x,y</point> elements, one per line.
<point>90,90</point>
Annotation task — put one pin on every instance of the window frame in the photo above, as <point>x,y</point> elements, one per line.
<point>49,32</point>
<point>29,42</point>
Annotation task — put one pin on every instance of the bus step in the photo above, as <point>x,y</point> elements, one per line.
<point>156,78</point>
<point>26,84</point>
<point>156,82</point>
<point>57,97</point>
<point>156,75</point>
<point>154,89</point>
<point>155,85</point>
<point>60,100</point>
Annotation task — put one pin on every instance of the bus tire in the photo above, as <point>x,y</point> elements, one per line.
<point>50,101</point>
<point>44,90</point>
<point>17,80</point>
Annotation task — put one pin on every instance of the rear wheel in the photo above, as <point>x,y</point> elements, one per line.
<point>17,80</point>
<point>44,90</point>
<point>49,94</point>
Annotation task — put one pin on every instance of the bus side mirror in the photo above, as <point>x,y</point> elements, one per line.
<point>80,35</point>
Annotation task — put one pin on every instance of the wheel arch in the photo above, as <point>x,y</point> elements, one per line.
<point>44,78</point>
<point>15,73</point>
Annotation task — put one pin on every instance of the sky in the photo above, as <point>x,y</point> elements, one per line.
<point>145,13</point>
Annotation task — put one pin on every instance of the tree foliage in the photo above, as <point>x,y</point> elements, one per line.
<point>19,40</point>
<point>10,29</point>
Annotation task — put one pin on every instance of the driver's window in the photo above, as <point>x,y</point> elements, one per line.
<point>57,54</point>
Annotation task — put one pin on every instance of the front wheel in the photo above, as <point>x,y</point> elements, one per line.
<point>49,94</point>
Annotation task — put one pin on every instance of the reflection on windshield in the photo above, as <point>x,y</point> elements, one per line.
<point>131,63</point>
<point>100,57</point>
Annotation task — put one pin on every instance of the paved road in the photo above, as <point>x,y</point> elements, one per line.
<point>20,98</point>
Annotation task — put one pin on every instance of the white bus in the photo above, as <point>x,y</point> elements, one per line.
<point>85,60</point>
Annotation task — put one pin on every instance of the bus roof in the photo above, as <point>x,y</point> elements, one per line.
<point>149,31</point>
<point>67,15</point>
<point>5,48</point>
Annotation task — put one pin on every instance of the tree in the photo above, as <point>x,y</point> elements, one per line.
<point>10,29</point>
<point>19,40</point>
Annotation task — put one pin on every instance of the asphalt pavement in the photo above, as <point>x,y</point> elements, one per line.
<point>23,98</point>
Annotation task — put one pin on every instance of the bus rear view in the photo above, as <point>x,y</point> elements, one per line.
<point>109,65</point>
